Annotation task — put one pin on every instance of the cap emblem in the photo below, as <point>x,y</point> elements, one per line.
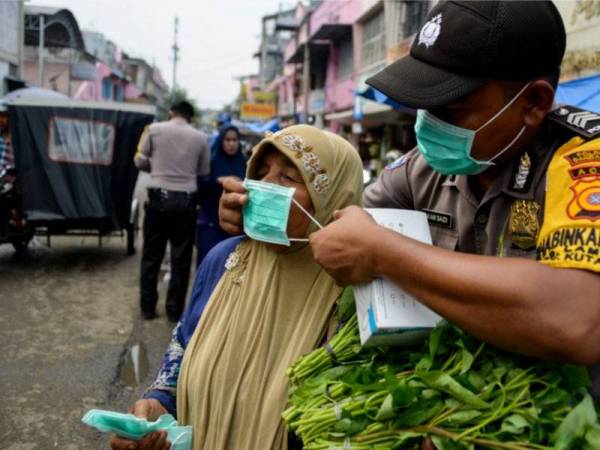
<point>430,31</point>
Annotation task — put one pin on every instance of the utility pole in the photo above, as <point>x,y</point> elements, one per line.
<point>42,29</point>
<point>306,72</point>
<point>263,54</point>
<point>21,36</point>
<point>175,59</point>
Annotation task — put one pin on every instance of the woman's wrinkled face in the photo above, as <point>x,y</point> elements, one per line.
<point>231,142</point>
<point>274,167</point>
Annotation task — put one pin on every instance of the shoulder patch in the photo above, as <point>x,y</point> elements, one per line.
<point>398,163</point>
<point>570,234</point>
<point>583,123</point>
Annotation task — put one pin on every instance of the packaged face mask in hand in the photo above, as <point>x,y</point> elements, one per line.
<point>180,438</point>
<point>131,427</point>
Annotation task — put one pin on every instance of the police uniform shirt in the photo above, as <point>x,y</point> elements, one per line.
<point>544,206</point>
<point>175,153</point>
<point>457,219</point>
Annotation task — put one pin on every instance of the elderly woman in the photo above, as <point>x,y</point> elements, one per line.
<point>256,306</point>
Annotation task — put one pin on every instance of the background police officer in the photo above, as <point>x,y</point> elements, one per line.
<point>175,154</point>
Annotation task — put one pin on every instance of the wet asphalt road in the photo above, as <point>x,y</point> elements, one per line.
<point>69,314</point>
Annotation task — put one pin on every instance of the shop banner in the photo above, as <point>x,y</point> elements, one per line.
<point>263,96</point>
<point>257,111</point>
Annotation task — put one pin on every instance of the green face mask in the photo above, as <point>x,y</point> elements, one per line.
<point>267,212</point>
<point>447,148</point>
<point>135,428</point>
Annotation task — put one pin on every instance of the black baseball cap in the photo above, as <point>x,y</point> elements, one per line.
<point>464,44</point>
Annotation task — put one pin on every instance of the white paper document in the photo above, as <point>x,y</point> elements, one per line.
<point>386,314</point>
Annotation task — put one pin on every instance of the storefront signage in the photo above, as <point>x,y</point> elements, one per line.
<point>263,96</point>
<point>257,111</point>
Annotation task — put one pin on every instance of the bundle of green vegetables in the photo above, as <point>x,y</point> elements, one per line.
<point>456,390</point>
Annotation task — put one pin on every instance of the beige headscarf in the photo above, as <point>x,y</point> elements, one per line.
<point>267,310</point>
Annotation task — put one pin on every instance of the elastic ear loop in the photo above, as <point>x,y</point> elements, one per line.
<point>315,221</point>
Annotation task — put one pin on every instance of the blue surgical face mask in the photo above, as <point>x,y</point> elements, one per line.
<point>447,148</point>
<point>267,212</point>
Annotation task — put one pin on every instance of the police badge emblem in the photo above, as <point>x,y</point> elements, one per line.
<point>430,31</point>
<point>523,223</point>
<point>585,203</point>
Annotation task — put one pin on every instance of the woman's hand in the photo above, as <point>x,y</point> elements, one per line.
<point>150,409</point>
<point>230,205</point>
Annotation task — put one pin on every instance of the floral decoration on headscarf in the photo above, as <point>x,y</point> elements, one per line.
<point>310,160</point>
<point>233,260</point>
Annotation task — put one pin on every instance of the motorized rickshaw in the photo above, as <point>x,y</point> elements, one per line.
<point>73,169</point>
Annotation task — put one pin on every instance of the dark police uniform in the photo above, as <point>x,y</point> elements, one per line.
<point>545,206</point>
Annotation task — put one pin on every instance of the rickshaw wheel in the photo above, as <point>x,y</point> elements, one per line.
<point>20,246</point>
<point>131,232</point>
<point>132,229</point>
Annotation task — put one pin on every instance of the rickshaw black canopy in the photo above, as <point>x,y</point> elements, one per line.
<point>74,160</point>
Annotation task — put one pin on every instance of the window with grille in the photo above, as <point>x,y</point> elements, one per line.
<point>373,42</point>
<point>81,141</point>
<point>414,15</point>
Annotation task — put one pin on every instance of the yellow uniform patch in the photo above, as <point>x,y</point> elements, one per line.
<point>570,234</point>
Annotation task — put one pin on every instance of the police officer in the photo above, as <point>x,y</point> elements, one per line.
<point>509,180</point>
<point>175,154</point>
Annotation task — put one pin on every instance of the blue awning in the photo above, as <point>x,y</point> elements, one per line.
<point>582,92</point>
<point>258,128</point>
<point>371,93</point>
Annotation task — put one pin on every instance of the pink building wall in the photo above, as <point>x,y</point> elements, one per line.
<point>335,12</point>
<point>56,75</point>
<point>92,90</point>
<point>339,91</point>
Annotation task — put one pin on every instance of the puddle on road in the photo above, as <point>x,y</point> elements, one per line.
<point>135,366</point>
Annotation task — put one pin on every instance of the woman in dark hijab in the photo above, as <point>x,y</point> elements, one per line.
<point>227,160</point>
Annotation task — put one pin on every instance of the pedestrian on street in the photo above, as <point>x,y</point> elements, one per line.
<point>505,175</point>
<point>262,303</point>
<point>223,119</point>
<point>175,154</point>
<point>227,159</point>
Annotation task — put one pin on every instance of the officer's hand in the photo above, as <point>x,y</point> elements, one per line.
<point>150,409</point>
<point>344,247</point>
<point>232,201</point>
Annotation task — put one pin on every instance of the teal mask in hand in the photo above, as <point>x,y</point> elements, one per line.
<point>447,148</point>
<point>135,428</point>
<point>267,212</point>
